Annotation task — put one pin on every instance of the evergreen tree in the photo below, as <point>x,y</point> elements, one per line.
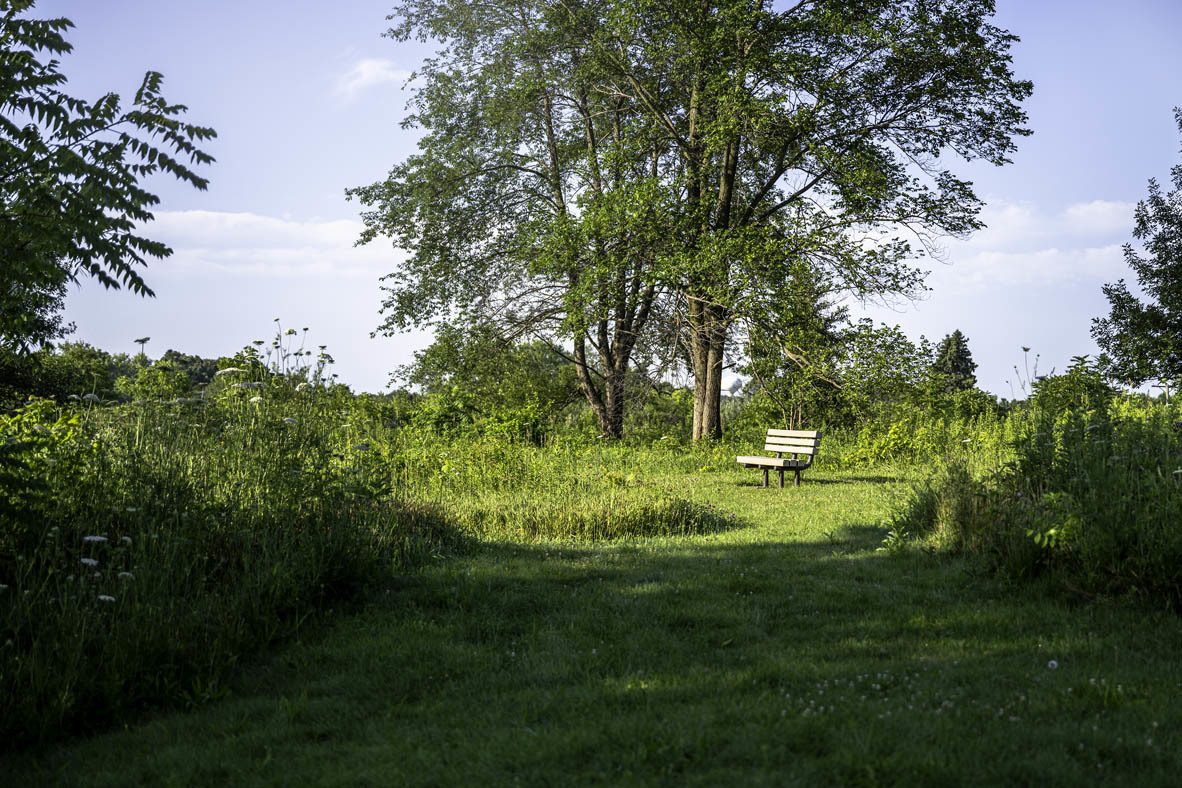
<point>1143,341</point>
<point>955,363</point>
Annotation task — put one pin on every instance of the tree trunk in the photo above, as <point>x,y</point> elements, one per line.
<point>613,421</point>
<point>708,337</point>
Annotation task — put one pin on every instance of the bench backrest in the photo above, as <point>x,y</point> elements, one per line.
<point>792,441</point>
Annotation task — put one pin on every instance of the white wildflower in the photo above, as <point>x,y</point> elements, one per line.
<point>125,539</point>
<point>304,386</point>
<point>105,598</point>
<point>255,399</point>
<point>290,420</point>
<point>126,576</point>
<point>1052,665</point>
<point>89,561</point>
<point>3,587</point>
<point>90,397</point>
<point>95,539</point>
<point>229,371</point>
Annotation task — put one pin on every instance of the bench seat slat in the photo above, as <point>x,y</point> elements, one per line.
<point>790,449</point>
<point>813,434</point>
<point>774,462</point>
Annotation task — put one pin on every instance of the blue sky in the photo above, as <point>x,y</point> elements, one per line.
<point>307,98</point>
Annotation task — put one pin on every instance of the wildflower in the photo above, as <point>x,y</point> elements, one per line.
<point>89,561</point>
<point>90,397</point>
<point>229,370</point>
<point>126,576</point>
<point>290,420</point>
<point>95,539</point>
<point>303,386</point>
<point>105,598</point>
<point>125,539</point>
<point>255,399</point>
<point>1052,665</point>
<point>3,587</point>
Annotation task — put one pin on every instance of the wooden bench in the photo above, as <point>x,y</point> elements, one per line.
<point>794,442</point>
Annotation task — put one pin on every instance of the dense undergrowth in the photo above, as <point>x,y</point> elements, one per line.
<point>1089,497</point>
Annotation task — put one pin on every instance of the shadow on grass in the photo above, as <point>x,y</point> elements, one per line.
<point>807,480</point>
<point>773,662</point>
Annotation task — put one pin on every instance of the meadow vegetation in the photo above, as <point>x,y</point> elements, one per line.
<point>151,547</point>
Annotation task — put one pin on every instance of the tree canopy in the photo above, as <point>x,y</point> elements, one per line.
<point>71,174</point>
<point>1142,341</point>
<point>597,171</point>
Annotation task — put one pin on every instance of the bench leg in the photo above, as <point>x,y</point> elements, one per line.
<point>798,478</point>
<point>781,478</point>
<point>764,478</point>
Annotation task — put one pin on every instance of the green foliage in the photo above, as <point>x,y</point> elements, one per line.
<point>1082,387</point>
<point>472,380</point>
<point>145,548</point>
<point>795,350</point>
<point>882,371</point>
<point>954,363</point>
<point>1141,340</point>
<point>1091,499</point>
<point>160,381</point>
<point>198,370</point>
<point>72,370</point>
<point>72,173</point>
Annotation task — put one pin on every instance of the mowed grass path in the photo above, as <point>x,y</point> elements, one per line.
<point>787,650</point>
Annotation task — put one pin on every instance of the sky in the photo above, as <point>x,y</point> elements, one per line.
<point>307,99</point>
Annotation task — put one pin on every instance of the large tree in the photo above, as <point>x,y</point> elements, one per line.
<point>534,207</point>
<point>583,158</point>
<point>1142,341</point>
<point>812,131</point>
<point>71,199</point>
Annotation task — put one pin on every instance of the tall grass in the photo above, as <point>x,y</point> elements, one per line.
<point>1092,499</point>
<point>161,542</point>
<point>147,547</point>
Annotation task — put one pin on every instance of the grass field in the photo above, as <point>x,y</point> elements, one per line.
<point>782,648</point>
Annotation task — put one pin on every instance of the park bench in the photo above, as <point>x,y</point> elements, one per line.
<point>794,442</point>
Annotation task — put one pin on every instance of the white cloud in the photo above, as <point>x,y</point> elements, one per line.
<point>976,270</point>
<point>246,243</point>
<point>367,73</point>
<point>1023,225</point>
